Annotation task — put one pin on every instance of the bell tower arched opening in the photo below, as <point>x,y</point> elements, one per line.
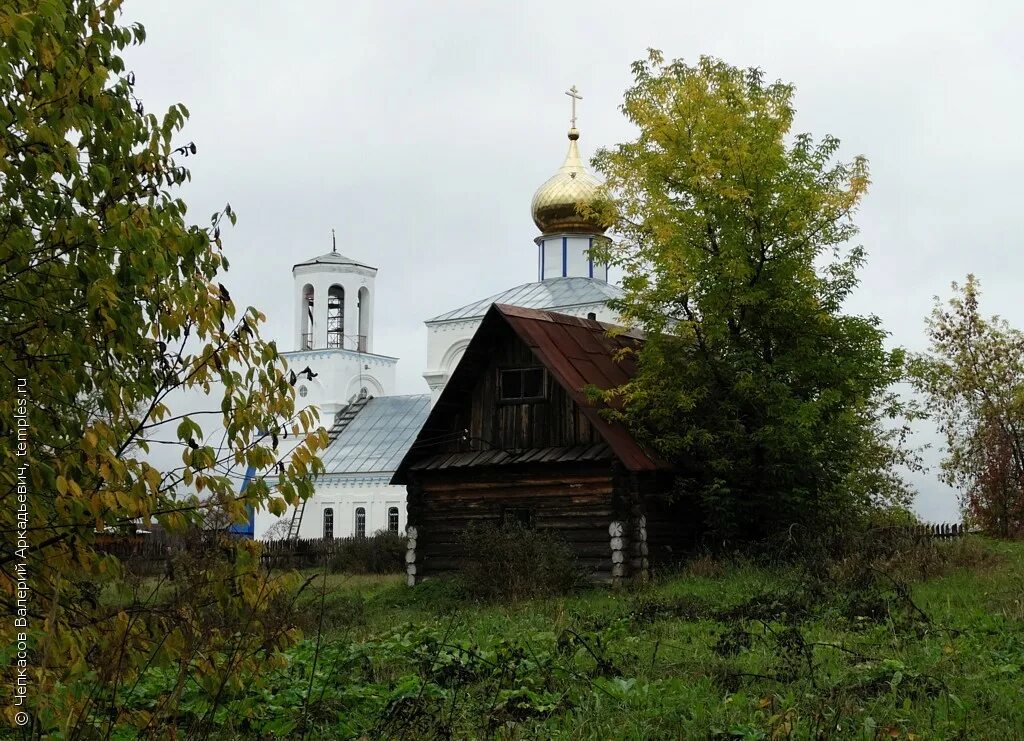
<point>336,317</point>
<point>306,331</point>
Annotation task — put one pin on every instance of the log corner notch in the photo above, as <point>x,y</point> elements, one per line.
<point>410,555</point>
<point>619,547</point>
<point>629,550</point>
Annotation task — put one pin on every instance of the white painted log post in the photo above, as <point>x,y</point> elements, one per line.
<point>410,555</point>
<point>619,544</point>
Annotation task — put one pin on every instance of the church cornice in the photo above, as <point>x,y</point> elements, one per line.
<point>461,322</point>
<point>343,268</point>
<point>558,235</point>
<point>352,480</point>
<point>325,353</point>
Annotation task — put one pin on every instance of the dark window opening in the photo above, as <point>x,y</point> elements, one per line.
<point>522,384</point>
<point>360,522</point>
<point>328,523</point>
<point>393,519</point>
<point>517,517</point>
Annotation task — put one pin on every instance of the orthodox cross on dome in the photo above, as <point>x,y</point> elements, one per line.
<point>334,243</point>
<point>575,95</point>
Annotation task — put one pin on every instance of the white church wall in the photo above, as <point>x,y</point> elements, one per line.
<point>343,499</point>
<point>340,375</point>
<point>446,341</point>
<point>365,299</point>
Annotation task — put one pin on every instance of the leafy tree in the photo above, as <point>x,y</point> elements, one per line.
<point>279,530</point>
<point>110,306</point>
<point>732,233</point>
<point>973,382</point>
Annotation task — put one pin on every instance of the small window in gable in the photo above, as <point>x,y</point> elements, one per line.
<point>522,384</point>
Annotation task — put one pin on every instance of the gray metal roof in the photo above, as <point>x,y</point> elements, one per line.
<point>379,436</point>
<point>333,258</point>
<point>553,294</point>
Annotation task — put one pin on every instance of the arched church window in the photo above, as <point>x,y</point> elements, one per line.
<point>392,519</point>
<point>360,522</point>
<point>329,523</point>
<point>363,306</point>
<point>335,317</point>
<point>306,340</point>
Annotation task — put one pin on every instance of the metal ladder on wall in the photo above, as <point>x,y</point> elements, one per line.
<point>341,421</point>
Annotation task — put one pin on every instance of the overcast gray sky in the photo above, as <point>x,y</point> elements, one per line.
<point>420,131</point>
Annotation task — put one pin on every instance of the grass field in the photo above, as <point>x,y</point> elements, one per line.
<point>718,650</point>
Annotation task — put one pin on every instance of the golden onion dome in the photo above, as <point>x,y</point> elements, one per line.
<point>554,204</point>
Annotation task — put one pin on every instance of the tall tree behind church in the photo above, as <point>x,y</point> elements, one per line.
<point>734,237</point>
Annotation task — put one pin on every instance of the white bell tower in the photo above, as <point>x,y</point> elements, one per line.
<point>333,333</point>
<point>334,303</point>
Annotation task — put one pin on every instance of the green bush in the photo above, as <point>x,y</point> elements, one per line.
<point>382,553</point>
<point>513,562</point>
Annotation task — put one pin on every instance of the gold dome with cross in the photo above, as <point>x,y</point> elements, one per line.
<point>554,205</point>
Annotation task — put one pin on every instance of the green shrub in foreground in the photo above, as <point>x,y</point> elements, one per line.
<point>512,562</point>
<point>382,553</point>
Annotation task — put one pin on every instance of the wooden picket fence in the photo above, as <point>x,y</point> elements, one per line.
<point>304,553</point>
<point>944,530</point>
<point>150,554</point>
<point>144,555</point>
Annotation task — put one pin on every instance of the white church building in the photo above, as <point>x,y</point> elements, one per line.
<point>371,428</point>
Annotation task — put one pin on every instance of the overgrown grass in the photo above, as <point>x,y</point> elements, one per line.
<point>723,649</point>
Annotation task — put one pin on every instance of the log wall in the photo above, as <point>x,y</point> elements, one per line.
<point>576,503</point>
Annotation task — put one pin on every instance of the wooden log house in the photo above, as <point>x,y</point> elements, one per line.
<point>514,436</point>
